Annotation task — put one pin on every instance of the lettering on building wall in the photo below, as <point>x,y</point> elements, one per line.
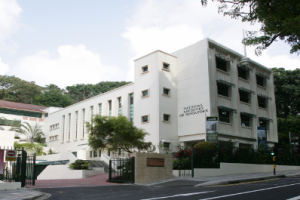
<point>193,110</point>
<point>155,162</point>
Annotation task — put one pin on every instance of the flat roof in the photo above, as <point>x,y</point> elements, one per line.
<point>22,106</point>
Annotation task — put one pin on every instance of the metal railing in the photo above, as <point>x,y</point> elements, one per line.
<point>121,170</point>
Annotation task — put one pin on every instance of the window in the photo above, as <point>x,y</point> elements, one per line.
<point>262,102</point>
<point>166,145</point>
<point>245,120</point>
<point>262,123</point>
<point>260,80</point>
<point>166,117</point>
<point>63,131</point>
<point>119,151</point>
<point>166,91</point>
<point>145,69</point>
<point>69,134</point>
<point>145,93</point>
<point>242,73</point>
<point>166,66</point>
<point>145,119</point>
<point>99,153</point>
<point>131,108</point>
<point>244,96</point>
<point>223,90</point>
<point>76,128</point>
<point>221,64</point>
<point>109,108</point>
<point>100,109</point>
<point>95,153</point>
<point>83,120</point>
<point>92,112</point>
<point>120,105</point>
<point>91,154</point>
<point>224,116</point>
<point>46,115</point>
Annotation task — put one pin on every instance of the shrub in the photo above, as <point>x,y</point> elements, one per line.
<point>205,146</point>
<point>17,137</point>
<point>80,165</point>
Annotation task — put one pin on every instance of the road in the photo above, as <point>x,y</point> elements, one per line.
<point>284,188</point>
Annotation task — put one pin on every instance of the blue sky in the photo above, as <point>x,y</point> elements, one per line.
<point>65,42</point>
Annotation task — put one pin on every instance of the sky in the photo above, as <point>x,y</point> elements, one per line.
<point>66,42</point>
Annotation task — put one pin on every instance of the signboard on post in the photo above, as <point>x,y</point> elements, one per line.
<point>262,136</point>
<point>295,143</point>
<point>212,129</point>
<point>11,155</point>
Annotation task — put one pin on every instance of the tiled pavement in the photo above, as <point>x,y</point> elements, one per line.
<point>98,180</point>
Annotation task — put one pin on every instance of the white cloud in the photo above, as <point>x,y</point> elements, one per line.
<point>72,65</point>
<point>3,68</point>
<point>170,25</point>
<point>10,12</point>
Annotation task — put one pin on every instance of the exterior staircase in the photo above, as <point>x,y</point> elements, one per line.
<point>99,163</point>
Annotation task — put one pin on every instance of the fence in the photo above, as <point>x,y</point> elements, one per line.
<point>121,170</point>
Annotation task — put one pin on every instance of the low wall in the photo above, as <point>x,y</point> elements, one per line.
<point>10,185</point>
<point>238,168</point>
<point>56,157</point>
<point>63,172</point>
<point>146,174</point>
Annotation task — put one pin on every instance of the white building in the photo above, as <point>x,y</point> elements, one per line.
<point>170,97</point>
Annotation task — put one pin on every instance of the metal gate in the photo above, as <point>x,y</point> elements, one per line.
<point>121,170</point>
<point>22,170</point>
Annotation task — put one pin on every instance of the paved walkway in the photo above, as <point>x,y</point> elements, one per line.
<point>98,180</point>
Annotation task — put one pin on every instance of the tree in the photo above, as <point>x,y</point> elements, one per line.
<point>116,132</point>
<point>280,20</point>
<point>31,147</point>
<point>287,91</point>
<point>32,132</point>
<point>54,96</point>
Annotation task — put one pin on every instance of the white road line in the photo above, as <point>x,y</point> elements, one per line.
<point>179,195</point>
<point>294,198</point>
<point>229,195</point>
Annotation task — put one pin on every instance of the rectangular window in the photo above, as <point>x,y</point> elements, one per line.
<point>166,66</point>
<point>92,114</point>
<point>145,119</point>
<point>120,106</point>
<point>91,154</point>
<point>131,107</point>
<point>145,93</point>
<point>95,154</point>
<point>166,91</point>
<point>244,96</point>
<point>221,64</point>
<point>166,145</point>
<point>223,90</point>
<point>63,131</point>
<point>69,134</point>
<point>166,117</point>
<point>100,109</point>
<point>245,120</point>
<point>224,116</point>
<point>76,128</point>
<point>145,69</point>
<point>262,102</point>
<point>99,153</point>
<point>260,80</point>
<point>109,108</point>
<point>83,120</point>
<point>242,73</point>
<point>262,123</point>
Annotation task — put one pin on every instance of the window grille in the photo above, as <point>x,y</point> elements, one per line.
<point>166,145</point>
<point>244,96</point>
<point>266,119</point>
<point>120,106</point>
<point>224,115</point>
<point>245,120</point>
<point>223,90</point>
<point>262,102</point>
<point>144,119</point>
<point>131,108</point>
<point>242,73</point>
<point>100,109</point>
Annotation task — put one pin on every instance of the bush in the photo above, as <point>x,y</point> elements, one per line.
<point>205,146</point>
<point>184,163</point>
<point>80,165</point>
<point>17,137</point>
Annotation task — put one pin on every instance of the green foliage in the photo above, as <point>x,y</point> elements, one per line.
<point>116,132</point>
<point>32,132</point>
<point>280,20</point>
<point>51,152</point>
<point>31,147</point>
<point>80,165</point>
<point>205,146</point>
<point>54,96</point>
<point>184,163</point>
<point>17,137</point>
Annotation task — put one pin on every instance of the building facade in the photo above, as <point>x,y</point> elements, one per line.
<point>171,97</point>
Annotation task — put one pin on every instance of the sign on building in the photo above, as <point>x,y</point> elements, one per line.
<point>11,155</point>
<point>212,129</point>
<point>262,136</point>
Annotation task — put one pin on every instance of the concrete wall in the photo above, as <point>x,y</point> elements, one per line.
<point>55,157</point>
<point>63,172</point>
<point>236,168</point>
<point>7,139</point>
<point>144,174</point>
<point>10,185</point>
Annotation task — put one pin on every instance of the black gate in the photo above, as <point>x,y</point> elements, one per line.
<point>121,170</point>
<point>22,170</point>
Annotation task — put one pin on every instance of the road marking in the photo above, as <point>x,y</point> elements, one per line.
<point>294,198</point>
<point>239,183</point>
<point>179,195</point>
<point>229,195</point>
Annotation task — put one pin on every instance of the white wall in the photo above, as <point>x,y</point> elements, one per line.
<point>55,157</point>
<point>7,139</point>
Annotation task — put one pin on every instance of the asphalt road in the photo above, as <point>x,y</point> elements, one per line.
<point>284,188</point>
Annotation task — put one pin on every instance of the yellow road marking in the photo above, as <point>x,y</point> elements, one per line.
<point>241,183</point>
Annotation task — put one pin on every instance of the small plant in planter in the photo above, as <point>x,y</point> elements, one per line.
<point>80,165</point>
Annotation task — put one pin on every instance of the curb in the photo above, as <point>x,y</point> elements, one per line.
<point>240,180</point>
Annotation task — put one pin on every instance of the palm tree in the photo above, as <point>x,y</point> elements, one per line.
<point>32,132</point>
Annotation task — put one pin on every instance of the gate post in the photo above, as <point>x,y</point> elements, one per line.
<point>132,168</point>
<point>192,162</point>
<point>33,176</point>
<point>23,168</point>
<point>109,173</point>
